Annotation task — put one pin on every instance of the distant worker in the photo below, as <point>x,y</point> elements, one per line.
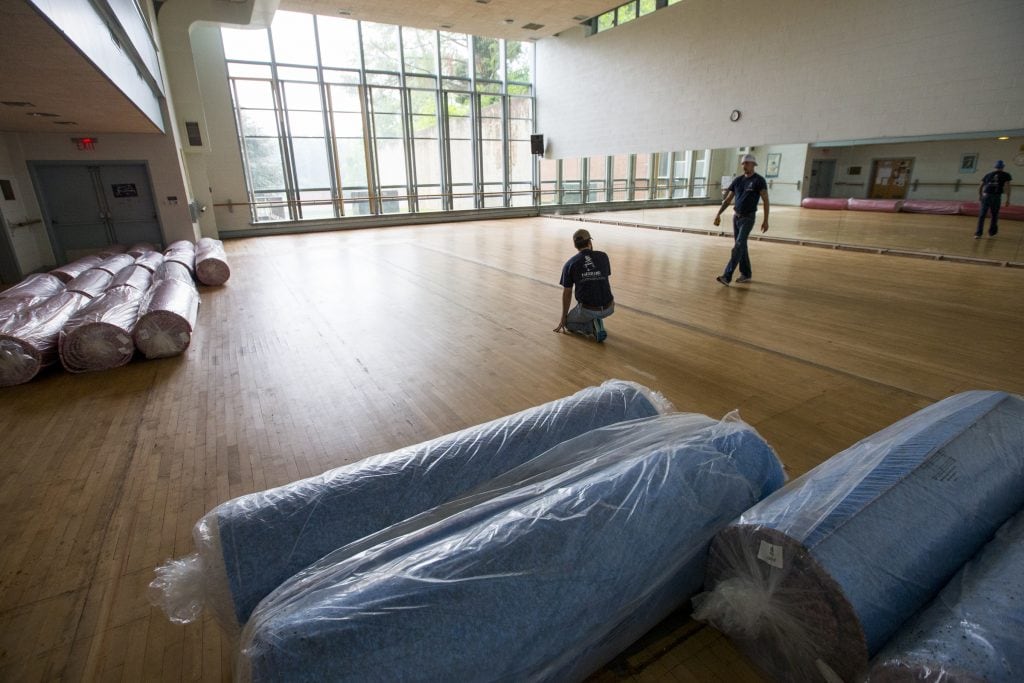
<point>588,271</point>
<point>990,193</point>
<point>747,189</point>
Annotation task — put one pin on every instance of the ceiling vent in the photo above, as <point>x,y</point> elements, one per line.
<point>533,27</point>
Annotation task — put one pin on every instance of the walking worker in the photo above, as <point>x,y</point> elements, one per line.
<point>587,272</point>
<point>747,190</point>
<point>990,193</point>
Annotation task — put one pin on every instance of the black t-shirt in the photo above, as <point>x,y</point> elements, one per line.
<point>589,270</point>
<point>993,182</point>
<point>748,192</point>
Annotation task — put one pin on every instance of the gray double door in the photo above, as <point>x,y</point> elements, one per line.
<point>89,207</point>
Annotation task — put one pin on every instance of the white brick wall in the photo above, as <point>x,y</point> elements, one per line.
<point>799,70</point>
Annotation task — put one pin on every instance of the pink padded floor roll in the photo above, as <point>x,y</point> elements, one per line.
<point>166,319</point>
<point>1013,212</point>
<point>935,206</point>
<point>828,203</point>
<point>151,260</point>
<point>183,252</point>
<point>99,335</point>
<point>28,341</point>
<point>883,205</point>
<point>173,270</point>
<point>133,276</point>
<point>70,271</point>
<point>211,262</point>
<point>91,283</point>
<point>37,285</point>
<point>115,264</point>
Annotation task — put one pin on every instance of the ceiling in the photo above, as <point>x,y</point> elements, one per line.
<point>41,67</point>
<point>465,16</point>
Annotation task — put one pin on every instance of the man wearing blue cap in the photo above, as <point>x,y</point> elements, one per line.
<point>990,193</point>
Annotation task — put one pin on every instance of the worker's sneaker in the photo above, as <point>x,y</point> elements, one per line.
<point>721,278</point>
<point>599,332</point>
<point>743,278</point>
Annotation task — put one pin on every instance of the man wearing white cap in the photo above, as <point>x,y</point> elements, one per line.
<point>990,194</point>
<point>747,189</point>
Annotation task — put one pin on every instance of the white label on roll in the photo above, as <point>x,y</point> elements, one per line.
<point>770,554</point>
<point>123,339</point>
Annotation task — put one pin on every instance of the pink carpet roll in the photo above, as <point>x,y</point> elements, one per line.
<point>115,264</point>
<point>151,260</point>
<point>1013,212</point>
<point>91,283</point>
<point>37,285</point>
<point>211,262</point>
<point>183,252</point>
<point>167,317</point>
<point>133,276</point>
<point>828,203</point>
<point>173,270</point>
<point>140,248</point>
<point>934,206</point>
<point>883,205</point>
<point>70,271</point>
<point>99,335</point>
<point>28,341</point>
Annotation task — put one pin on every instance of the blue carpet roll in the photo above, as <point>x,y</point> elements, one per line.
<point>974,629</point>
<point>541,580</point>
<point>248,546</point>
<point>820,575</point>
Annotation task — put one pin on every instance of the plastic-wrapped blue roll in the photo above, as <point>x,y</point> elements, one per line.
<point>818,577</point>
<point>974,630</point>
<point>248,546</point>
<point>544,575</point>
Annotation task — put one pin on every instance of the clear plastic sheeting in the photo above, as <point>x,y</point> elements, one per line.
<point>151,260</point>
<point>115,264</point>
<point>28,340</point>
<point>883,205</point>
<point>173,270</point>
<point>974,629</point>
<point>91,283</point>
<point>546,576</point>
<point>211,262</point>
<point>133,276</point>
<point>70,271</point>
<point>99,336</point>
<point>167,317</point>
<point>817,577</point>
<point>248,546</point>
<point>183,252</point>
<point>35,286</point>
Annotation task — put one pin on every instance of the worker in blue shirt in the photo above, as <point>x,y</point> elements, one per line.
<point>587,272</point>
<point>990,194</point>
<point>747,189</point>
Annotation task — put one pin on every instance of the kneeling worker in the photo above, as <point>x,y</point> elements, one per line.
<point>588,272</point>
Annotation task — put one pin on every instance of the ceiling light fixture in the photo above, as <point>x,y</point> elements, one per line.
<point>533,27</point>
<point>446,26</point>
<point>508,21</point>
<point>16,103</point>
<point>1003,137</point>
<point>64,123</point>
<point>43,114</point>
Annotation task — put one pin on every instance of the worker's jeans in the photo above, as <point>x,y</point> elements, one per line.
<point>742,225</point>
<point>989,202</point>
<point>581,319</point>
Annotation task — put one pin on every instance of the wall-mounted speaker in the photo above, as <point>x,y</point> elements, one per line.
<point>537,144</point>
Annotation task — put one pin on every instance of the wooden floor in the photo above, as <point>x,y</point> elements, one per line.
<point>950,236</point>
<point>327,348</point>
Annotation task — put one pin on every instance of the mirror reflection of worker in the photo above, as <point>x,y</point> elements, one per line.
<point>990,194</point>
<point>747,189</point>
<point>587,272</point>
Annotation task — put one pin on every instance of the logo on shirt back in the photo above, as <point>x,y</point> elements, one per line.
<point>588,263</point>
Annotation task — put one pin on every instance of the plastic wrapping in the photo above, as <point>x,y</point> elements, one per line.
<point>91,283</point>
<point>211,262</point>
<point>818,576</point>
<point>70,271</point>
<point>151,260</point>
<point>183,252</point>
<point>35,286</point>
<point>135,276</point>
<point>827,203</point>
<point>115,264</point>
<point>28,340</point>
<point>934,206</point>
<point>173,270</point>
<point>99,335</point>
<point>248,546</point>
<point>883,205</point>
<point>139,248</point>
<point>167,317</point>
<point>545,577</point>
<point>112,250</point>
<point>974,630</point>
